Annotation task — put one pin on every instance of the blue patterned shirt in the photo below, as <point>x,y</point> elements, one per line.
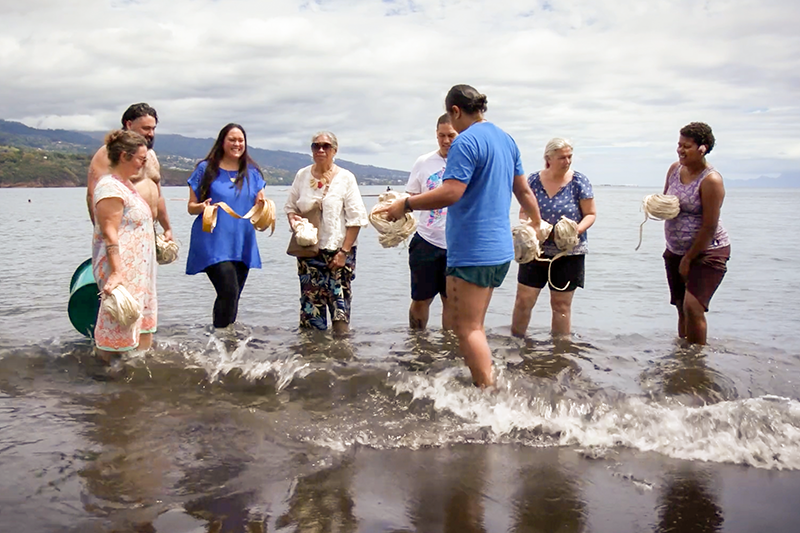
<point>566,202</point>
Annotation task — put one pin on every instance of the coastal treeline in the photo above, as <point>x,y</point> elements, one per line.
<point>21,167</point>
<point>31,167</point>
<point>38,168</point>
<point>60,158</point>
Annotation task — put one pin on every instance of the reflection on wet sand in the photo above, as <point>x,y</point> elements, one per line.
<point>127,479</point>
<point>322,502</point>
<point>155,454</point>
<point>687,504</point>
<point>168,445</point>
<point>548,500</point>
<point>449,495</point>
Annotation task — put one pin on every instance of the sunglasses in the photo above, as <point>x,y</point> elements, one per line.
<point>324,146</point>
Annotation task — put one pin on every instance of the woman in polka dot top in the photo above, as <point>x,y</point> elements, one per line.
<point>560,191</point>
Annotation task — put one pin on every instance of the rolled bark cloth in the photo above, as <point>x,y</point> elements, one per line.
<point>528,241</point>
<point>261,215</point>
<point>565,234</point>
<point>658,207</point>
<point>166,251</point>
<point>305,233</point>
<point>122,306</point>
<point>392,233</point>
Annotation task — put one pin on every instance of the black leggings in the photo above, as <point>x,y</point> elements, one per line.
<point>228,279</point>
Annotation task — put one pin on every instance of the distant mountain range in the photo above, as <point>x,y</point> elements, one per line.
<point>51,158</point>
<point>784,181</point>
<point>177,154</point>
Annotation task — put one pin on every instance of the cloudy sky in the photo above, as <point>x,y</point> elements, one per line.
<point>618,77</point>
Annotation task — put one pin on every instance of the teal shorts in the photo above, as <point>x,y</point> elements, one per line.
<point>482,276</point>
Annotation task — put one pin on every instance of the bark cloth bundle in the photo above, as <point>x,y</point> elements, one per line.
<point>122,306</point>
<point>261,215</point>
<point>528,242</point>
<point>392,233</point>
<point>658,207</point>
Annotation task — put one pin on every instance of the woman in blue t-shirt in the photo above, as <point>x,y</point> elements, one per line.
<point>483,170</point>
<point>227,254</point>
<point>560,191</point>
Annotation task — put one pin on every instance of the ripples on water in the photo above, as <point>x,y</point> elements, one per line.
<point>264,425</point>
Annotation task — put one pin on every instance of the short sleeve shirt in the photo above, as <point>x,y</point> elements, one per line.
<point>486,159</point>
<point>232,239</point>
<point>426,175</point>
<point>566,202</point>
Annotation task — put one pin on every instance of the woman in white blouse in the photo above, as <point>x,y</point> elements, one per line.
<point>325,280</point>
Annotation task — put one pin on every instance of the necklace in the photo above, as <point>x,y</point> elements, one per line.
<point>324,181</point>
<point>234,176</point>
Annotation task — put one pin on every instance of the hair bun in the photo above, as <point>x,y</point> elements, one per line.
<point>113,135</point>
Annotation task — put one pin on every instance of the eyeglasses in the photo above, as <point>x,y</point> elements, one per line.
<point>323,146</point>
<point>142,159</point>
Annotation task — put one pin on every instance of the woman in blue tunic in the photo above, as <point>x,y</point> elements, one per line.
<point>226,255</point>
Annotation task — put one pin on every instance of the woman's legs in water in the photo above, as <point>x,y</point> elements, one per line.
<point>692,323</point>
<point>145,341</point>
<point>561,307</point>
<point>523,305</point>
<point>228,279</point>
<point>106,356</point>
<point>470,303</point>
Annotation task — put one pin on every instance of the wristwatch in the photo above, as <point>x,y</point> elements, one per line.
<point>407,205</point>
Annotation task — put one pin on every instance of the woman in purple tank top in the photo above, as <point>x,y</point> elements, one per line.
<point>698,247</point>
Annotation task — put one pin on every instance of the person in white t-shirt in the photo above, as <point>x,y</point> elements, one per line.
<point>427,252</point>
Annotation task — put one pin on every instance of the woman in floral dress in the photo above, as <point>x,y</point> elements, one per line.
<point>123,246</point>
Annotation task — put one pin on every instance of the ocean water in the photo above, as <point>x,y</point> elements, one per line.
<point>267,428</point>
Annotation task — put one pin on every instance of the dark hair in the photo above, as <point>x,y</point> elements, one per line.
<point>215,156</point>
<point>120,142</point>
<point>467,98</point>
<point>137,111</point>
<point>699,132</point>
<point>444,119</point>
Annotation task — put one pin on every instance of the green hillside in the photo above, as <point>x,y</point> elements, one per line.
<point>30,167</point>
<point>39,168</point>
<point>60,158</point>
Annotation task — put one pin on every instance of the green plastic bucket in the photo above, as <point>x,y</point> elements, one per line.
<point>84,299</point>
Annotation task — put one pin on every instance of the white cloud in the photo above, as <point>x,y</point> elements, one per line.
<point>618,77</point>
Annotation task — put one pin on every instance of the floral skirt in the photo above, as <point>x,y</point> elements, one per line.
<point>323,290</point>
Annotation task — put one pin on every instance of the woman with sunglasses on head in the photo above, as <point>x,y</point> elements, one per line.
<point>123,246</point>
<point>226,255</point>
<point>325,279</point>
